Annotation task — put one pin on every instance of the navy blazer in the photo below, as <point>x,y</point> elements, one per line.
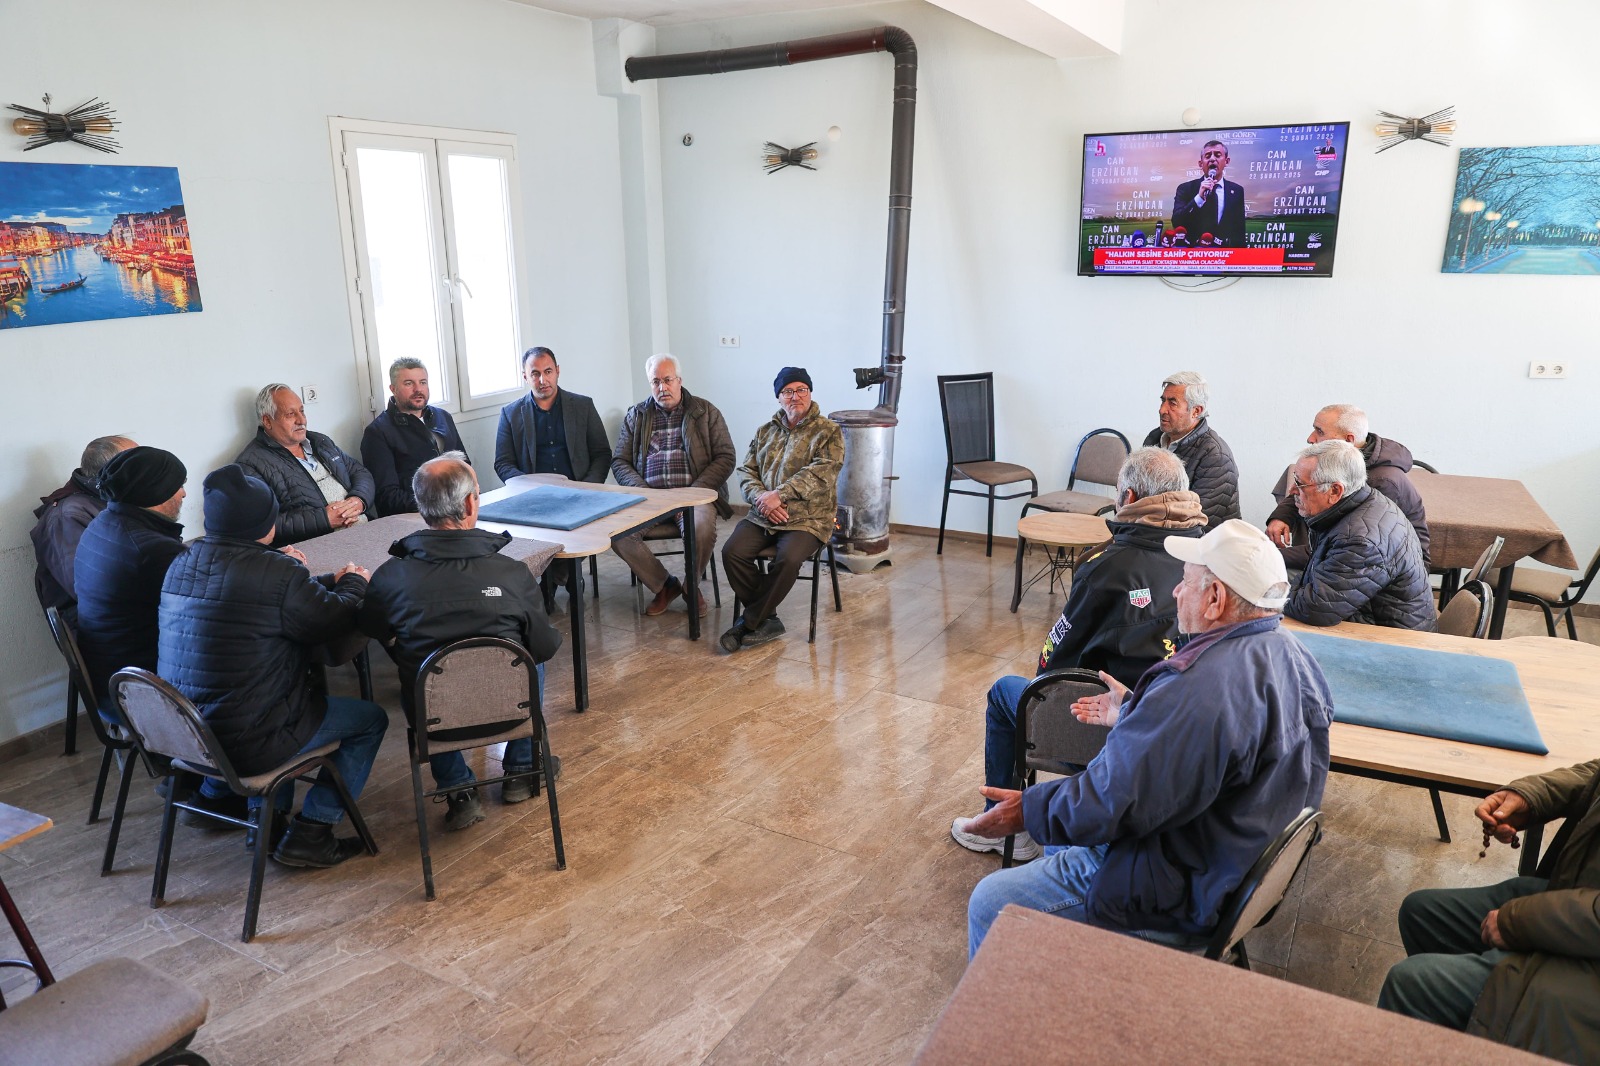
<point>515,447</point>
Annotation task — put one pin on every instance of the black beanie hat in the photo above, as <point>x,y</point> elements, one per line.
<point>142,477</point>
<point>238,505</point>
<point>791,375</point>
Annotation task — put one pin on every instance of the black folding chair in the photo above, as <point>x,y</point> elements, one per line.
<point>1049,738</point>
<point>967,404</point>
<point>1098,460</point>
<point>1256,899</point>
<point>764,559</point>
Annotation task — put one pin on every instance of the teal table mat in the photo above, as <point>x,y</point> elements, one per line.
<point>1442,694</point>
<point>556,507</point>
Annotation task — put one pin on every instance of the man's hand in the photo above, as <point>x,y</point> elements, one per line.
<point>1504,814</point>
<point>1104,708</point>
<point>1490,931</point>
<point>1206,185</point>
<point>339,515</point>
<point>771,507</point>
<point>1278,533</point>
<point>1003,819</point>
<point>294,553</point>
<point>351,568</point>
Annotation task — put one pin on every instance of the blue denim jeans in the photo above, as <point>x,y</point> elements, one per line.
<point>1058,883</point>
<point>1000,736</point>
<point>358,726</point>
<point>450,769</point>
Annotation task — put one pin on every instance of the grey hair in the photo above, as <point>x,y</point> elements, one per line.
<point>656,360</point>
<point>1196,393</point>
<point>1338,462</point>
<point>98,452</point>
<point>1240,609</point>
<point>1150,472</point>
<point>442,486</point>
<point>405,362</point>
<point>1348,418</point>
<point>266,406</point>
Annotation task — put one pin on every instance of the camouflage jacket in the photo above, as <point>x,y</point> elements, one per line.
<point>802,462</point>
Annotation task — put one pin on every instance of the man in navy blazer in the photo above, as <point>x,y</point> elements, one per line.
<point>1210,203</point>
<point>550,430</point>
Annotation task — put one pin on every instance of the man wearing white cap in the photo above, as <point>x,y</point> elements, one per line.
<point>1213,753</point>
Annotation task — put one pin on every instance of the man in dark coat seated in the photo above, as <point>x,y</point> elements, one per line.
<point>446,583</point>
<point>1388,467</point>
<point>1186,431</point>
<point>408,433</point>
<point>239,623</point>
<point>62,517</point>
<point>1121,617</point>
<point>318,487</point>
<point>1366,564</point>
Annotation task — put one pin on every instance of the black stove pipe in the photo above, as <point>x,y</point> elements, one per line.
<point>895,41</point>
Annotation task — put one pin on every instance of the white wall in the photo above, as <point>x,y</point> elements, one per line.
<point>237,98</point>
<point>793,262</point>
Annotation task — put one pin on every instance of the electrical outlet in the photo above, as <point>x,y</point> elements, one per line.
<point>1548,368</point>
<point>730,340</point>
<point>309,393</point>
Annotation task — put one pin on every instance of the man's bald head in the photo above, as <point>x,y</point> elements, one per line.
<point>446,489</point>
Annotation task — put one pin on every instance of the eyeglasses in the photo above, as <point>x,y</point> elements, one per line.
<point>794,392</point>
<point>1307,486</point>
<point>656,383</point>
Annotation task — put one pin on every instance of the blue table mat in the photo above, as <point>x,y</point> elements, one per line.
<point>1468,698</point>
<point>556,507</point>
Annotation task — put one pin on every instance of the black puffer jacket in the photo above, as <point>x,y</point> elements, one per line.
<point>395,444</point>
<point>448,584</point>
<point>302,511</point>
<point>238,625</point>
<point>1213,475</point>
<point>122,558</point>
<point>1388,466</point>
<point>1365,566</point>
<point>63,516</point>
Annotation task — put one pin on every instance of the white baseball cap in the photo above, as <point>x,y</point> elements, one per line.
<point>1242,558</point>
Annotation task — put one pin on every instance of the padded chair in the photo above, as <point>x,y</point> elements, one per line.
<point>470,694</point>
<point>1256,899</point>
<point>967,404</point>
<point>114,1011</point>
<point>1099,459</point>
<point>1553,591</point>
<point>163,722</point>
<point>764,559</point>
<point>668,530</point>
<point>1049,738</point>
<point>1453,580</point>
<point>1429,467</point>
<point>1466,615</point>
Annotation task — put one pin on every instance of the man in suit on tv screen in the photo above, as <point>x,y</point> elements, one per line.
<point>1211,203</point>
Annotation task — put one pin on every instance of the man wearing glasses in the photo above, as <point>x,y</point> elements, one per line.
<point>673,440</point>
<point>790,478</point>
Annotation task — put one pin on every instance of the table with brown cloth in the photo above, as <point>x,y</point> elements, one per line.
<point>1465,514</point>
<point>1044,989</point>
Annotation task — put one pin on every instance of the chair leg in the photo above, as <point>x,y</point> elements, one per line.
<point>116,813</point>
<point>1005,855</point>
<point>262,818</point>
<point>1549,618</point>
<point>348,802</point>
<point>594,574</point>
<point>816,584</point>
<point>1572,626</point>
<point>944,510</point>
<point>550,779</point>
<point>169,821</point>
<point>100,785</point>
<point>72,718</point>
<point>988,543</point>
<point>422,826</point>
<point>833,573</point>
<point>1241,957</point>
<point>1438,815</point>
<point>716,586</point>
<point>363,664</point>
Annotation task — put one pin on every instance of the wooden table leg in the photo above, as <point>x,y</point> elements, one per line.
<point>1502,595</point>
<point>580,656</point>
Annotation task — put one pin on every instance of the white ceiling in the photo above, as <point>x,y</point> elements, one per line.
<point>667,12</point>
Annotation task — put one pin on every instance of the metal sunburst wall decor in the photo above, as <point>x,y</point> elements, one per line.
<point>777,157</point>
<point>87,124</point>
<point>1437,127</point>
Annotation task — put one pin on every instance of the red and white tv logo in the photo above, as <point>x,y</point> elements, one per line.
<point>1099,148</point>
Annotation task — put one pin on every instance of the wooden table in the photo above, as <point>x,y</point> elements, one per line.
<point>1558,677</point>
<point>1465,514</point>
<point>17,825</point>
<point>1047,990</point>
<point>1055,529</point>
<point>595,538</point>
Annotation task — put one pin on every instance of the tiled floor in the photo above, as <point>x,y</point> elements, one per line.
<point>759,863</point>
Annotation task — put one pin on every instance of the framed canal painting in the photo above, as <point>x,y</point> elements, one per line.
<point>1525,211</point>
<point>85,242</point>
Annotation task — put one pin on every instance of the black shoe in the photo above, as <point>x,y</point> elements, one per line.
<point>276,828</point>
<point>232,805</point>
<point>770,629</point>
<point>464,809</point>
<point>734,638</point>
<point>313,844</point>
<point>188,784</point>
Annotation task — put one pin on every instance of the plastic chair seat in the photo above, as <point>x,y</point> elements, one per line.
<point>993,473</point>
<point>1069,501</point>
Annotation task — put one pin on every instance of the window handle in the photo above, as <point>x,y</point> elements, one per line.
<point>464,285</point>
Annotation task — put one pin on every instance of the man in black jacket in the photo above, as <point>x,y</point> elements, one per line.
<point>1186,431</point>
<point>1121,617</point>
<point>407,434</point>
<point>62,517</point>
<point>1388,471</point>
<point>446,583</point>
<point>1211,203</point>
<point>239,622</point>
<point>318,487</point>
<point>1365,564</point>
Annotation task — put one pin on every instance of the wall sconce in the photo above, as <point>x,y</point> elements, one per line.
<point>1437,127</point>
<point>777,157</point>
<point>86,124</point>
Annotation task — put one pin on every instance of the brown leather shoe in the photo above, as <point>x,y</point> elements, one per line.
<point>669,592</point>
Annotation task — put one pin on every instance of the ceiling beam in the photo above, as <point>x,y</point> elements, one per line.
<point>1061,29</point>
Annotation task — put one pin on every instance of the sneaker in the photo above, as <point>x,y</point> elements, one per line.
<point>669,592</point>
<point>733,639</point>
<point>464,809</point>
<point>231,805</point>
<point>1026,849</point>
<point>770,629</point>
<point>520,789</point>
<point>312,844</point>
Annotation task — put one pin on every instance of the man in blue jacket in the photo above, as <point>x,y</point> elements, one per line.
<point>1214,751</point>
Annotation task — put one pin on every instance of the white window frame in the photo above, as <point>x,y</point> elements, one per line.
<point>371,370</point>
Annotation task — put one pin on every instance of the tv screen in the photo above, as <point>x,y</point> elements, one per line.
<point>1250,200</point>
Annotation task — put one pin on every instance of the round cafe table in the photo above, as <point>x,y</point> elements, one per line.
<point>1067,533</point>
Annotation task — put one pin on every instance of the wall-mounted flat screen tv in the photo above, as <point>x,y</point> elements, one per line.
<point>1250,200</point>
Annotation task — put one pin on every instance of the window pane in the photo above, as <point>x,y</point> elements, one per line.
<point>404,284</point>
<point>487,292</point>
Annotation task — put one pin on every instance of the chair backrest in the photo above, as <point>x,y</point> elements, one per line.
<point>967,403</point>
<point>1264,886</point>
<point>1469,611</point>
<point>1101,454</point>
<point>1486,559</point>
<point>1052,739</point>
<point>1581,585</point>
<point>164,722</point>
<point>1425,466</point>
<point>477,687</point>
<point>78,673</point>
